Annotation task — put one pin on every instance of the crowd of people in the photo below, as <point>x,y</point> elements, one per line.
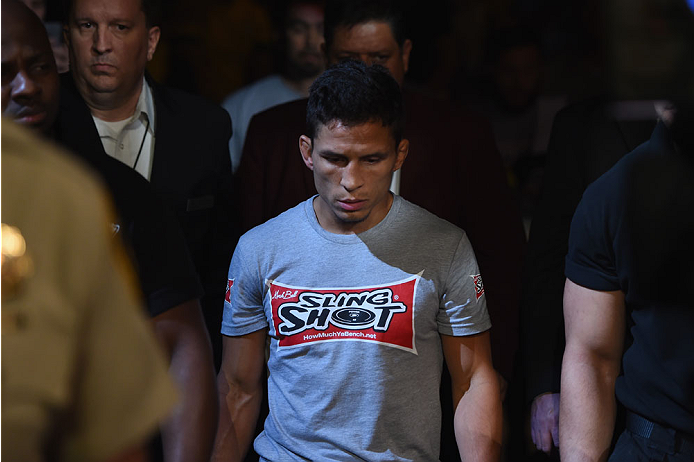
<point>370,271</point>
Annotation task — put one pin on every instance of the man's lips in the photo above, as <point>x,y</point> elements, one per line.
<point>351,205</point>
<point>31,118</point>
<point>103,68</point>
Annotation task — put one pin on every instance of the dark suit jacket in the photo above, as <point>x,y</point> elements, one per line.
<point>587,139</point>
<point>453,170</point>
<point>191,173</point>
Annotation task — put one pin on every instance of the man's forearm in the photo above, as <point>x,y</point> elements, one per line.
<point>188,435</point>
<point>478,419</point>
<point>587,416</point>
<point>238,415</point>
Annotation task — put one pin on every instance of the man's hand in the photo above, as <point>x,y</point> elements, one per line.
<point>544,421</point>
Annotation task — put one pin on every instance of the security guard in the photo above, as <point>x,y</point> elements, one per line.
<point>82,376</point>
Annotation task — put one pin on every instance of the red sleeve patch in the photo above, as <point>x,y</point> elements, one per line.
<point>479,287</point>
<point>230,284</point>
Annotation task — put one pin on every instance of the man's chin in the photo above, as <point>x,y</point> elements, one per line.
<point>101,83</point>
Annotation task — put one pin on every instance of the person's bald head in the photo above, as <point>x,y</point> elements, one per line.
<point>29,75</point>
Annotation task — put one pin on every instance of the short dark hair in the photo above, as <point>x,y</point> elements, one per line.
<point>349,13</point>
<point>355,93</point>
<point>151,9</point>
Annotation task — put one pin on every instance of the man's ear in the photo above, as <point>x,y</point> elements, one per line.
<point>406,50</point>
<point>306,148</point>
<point>401,154</point>
<point>152,41</point>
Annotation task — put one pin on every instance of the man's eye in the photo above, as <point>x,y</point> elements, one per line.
<point>121,27</point>
<point>86,25</point>
<point>372,160</point>
<point>298,29</point>
<point>40,68</point>
<point>334,160</point>
<point>381,59</point>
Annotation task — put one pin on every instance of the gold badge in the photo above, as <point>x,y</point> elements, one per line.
<point>17,266</point>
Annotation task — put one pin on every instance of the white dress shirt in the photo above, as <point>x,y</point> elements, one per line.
<point>131,141</point>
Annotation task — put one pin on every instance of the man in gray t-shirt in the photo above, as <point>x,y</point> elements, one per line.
<point>362,294</point>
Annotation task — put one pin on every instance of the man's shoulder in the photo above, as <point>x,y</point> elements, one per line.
<point>430,110</point>
<point>292,114</point>
<point>422,223</point>
<point>278,228</point>
<point>186,105</point>
<point>269,83</point>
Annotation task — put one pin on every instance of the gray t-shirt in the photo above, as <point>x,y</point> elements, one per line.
<point>355,323</point>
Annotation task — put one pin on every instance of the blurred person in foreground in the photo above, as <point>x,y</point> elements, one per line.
<point>167,277</point>
<point>82,375</point>
<point>302,39</point>
<point>360,310</point>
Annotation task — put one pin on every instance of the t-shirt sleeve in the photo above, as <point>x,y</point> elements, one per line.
<point>243,304</point>
<point>590,261</point>
<point>167,273</point>
<point>463,308</point>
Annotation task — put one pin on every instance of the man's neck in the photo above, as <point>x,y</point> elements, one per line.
<point>111,107</point>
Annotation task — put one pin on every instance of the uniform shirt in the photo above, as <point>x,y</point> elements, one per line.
<point>82,375</point>
<point>131,141</point>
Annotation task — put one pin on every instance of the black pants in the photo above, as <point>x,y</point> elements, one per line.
<point>645,441</point>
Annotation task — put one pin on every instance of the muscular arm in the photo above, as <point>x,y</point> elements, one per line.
<point>594,323</point>
<point>476,398</point>
<point>240,394</point>
<point>188,434</point>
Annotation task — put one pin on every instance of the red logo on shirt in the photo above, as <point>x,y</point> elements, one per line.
<point>230,284</point>
<point>380,314</point>
<point>479,287</point>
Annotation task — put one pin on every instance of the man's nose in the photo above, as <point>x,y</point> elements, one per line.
<point>24,86</point>
<point>315,38</point>
<point>352,177</point>
<point>102,40</point>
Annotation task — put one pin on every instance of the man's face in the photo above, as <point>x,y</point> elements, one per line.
<point>373,43</point>
<point>352,169</point>
<point>518,76</point>
<point>110,45</point>
<point>305,39</point>
<point>29,76</point>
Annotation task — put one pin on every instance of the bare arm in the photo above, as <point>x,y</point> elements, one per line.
<point>188,434</point>
<point>240,394</point>
<point>594,323</point>
<point>476,397</point>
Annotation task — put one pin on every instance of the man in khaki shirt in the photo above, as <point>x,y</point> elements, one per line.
<point>82,375</point>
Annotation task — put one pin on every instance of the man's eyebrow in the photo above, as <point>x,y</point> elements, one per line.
<point>328,152</point>
<point>297,21</point>
<point>40,56</point>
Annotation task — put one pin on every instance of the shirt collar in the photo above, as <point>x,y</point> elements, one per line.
<point>144,110</point>
<point>145,105</point>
